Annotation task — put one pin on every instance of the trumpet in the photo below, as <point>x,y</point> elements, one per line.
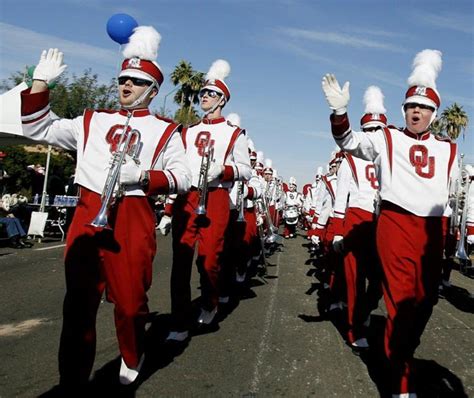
<point>131,145</point>
<point>240,202</point>
<point>206,160</point>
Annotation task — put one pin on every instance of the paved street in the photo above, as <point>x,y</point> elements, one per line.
<point>271,343</point>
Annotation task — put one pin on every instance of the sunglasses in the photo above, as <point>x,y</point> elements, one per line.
<point>135,80</point>
<point>210,93</point>
<point>413,105</point>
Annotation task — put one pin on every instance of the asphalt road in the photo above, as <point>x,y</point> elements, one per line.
<point>270,343</point>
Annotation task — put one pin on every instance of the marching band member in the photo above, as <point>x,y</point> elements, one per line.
<point>229,163</point>
<point>119,261</point>
<point>242,228</point>
<point>354,225</point>
<point>416,172</point>
<point>292,199</point>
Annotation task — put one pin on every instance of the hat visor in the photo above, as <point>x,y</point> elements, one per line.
<point>419,99</point>
<point>138,74</point>
<point>213,88</point>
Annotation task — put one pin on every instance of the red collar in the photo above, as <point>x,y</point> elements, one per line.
<point>418,137</point>
<point>136,112</point>
<point>213,121</point>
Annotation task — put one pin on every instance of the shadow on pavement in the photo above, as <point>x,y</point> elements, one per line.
<point>460,298</point>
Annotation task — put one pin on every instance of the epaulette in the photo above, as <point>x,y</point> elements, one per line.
<point>165,119</point>
<point>443,138</point>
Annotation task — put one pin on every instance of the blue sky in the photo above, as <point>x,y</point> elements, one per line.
<point>278,51</point>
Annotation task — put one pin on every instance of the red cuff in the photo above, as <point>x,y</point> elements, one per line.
<point>228,174</point>
<point>250,193</point>
<point>32,103</point>
<point>158,183</point>
<point>339,124</point>
<point>470,230</point>
<point>315,219</point>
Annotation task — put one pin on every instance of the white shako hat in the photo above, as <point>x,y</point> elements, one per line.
<point>268,169</point>
<point>374,113</point>
<point>252,151</point>
<point>422,81</point>
<point>292,181</point>
<point>260,161</point>
<point>140,55</point>
<point>218,71</point>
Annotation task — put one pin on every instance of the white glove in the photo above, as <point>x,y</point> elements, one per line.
<point>259,221</point>
<point>130,172</point>
<point>337,98</point>
<point>338,244</point>
<point>165,225</point>
<point>214,172</point>
<point>470,239</point>
<point>315,239</point>
<point>50,66</point>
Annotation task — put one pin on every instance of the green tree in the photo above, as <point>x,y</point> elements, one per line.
<point>188,83</point>
<point>452,122</point>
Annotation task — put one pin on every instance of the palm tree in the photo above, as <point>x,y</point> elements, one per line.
<point>195,83</point>
<point>453,121</point>
<point>188,82</point>
<point>181,74</point>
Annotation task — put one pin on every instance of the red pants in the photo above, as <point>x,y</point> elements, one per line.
<point>208,232</point>
<point>118,260</point>
<point>335,265</point>
<point>410,250</point>
<point>360,264</point>
<point>237,248</point>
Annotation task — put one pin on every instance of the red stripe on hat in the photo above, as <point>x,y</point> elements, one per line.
<point>145,66</point>
<point>373,117</point>
<point>423,92</point>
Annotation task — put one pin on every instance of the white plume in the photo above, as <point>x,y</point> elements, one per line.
<point>426,67</point>
<point>373,100</point>
<point>260,157</point>
<point>219,69</point>
<point>319,172</point>
<point>250,144</point>
<point>268,163</point>
<point>143,43</point>
<point>234,119</point>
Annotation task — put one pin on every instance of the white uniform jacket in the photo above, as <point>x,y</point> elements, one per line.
<point>96,134</point>
<point>416,172</point>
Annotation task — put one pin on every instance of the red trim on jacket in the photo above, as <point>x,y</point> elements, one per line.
<point>35,102</point>
<point>339,124</point>
<point>389,141</point>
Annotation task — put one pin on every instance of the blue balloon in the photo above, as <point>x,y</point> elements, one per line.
<point>120,27</point>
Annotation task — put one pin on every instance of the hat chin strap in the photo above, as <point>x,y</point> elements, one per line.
<point>142,97</point>
<point>215,106</point>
